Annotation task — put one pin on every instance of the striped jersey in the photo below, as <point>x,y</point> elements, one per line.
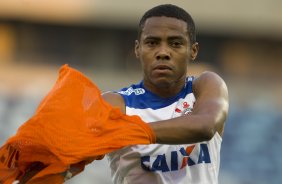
<point>159,163</point>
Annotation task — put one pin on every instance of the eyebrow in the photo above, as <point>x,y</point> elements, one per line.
<point>151,37</point>
<point>176,38</point>
<point>169,38</point>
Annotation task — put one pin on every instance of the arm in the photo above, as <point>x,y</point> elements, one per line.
<point>115,100</point>
<point>208,116</point>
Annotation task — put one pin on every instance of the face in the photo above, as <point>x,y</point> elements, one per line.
<point>164,50</point>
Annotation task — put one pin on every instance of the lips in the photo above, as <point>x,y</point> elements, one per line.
<point>162,67</point>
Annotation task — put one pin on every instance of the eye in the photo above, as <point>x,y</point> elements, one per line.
<point>151,43</point>
<point>176,44</point>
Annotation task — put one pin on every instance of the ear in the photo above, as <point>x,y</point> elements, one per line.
<point>136,50</point>
<point>194,50</point>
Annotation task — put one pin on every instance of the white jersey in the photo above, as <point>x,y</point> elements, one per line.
<point>158,163</point>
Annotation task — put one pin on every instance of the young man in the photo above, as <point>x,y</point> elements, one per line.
<point>187,114</point>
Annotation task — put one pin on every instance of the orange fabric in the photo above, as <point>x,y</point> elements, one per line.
<point>72,126</point>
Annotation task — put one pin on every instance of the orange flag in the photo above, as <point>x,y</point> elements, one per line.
<point>72,126</point>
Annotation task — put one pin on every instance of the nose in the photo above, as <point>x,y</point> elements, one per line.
<point>163,53</point>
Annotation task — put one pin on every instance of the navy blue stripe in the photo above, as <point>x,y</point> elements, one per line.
<point>134,98</point>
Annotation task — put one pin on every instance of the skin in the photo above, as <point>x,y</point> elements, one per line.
<point>165,51</point>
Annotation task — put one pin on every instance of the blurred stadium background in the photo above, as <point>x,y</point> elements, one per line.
<point>241,40</point>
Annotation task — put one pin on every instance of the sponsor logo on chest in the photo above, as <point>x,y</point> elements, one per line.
<point>178,159</point>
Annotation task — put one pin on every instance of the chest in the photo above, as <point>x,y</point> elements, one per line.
<point>182,106</point>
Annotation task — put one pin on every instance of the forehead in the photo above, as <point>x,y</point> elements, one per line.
<point>157,26</point>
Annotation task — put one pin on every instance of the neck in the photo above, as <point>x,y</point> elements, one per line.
<point>165,90</point>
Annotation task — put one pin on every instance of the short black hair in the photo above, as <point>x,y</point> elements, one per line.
<point>173,11</point>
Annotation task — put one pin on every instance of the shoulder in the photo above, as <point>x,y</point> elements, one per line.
<point>209,81</point>
<point>115,99</point>
<point>209,77</point>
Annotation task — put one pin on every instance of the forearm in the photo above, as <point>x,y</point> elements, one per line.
<point>184,130</point>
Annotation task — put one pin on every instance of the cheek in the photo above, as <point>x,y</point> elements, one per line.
<point>145,65</point>
<point>146,61</point>
<point>183,60</point>
<point>182,65</point>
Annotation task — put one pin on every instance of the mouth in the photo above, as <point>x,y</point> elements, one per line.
<point>162,67</point>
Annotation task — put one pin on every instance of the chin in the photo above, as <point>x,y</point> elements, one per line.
<point>162,83</point>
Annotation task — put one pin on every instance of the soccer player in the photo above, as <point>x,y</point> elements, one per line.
<point>187,114</point>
